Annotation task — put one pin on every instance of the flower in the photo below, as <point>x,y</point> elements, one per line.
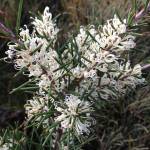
<point>46,26</point>
<point>113,36</point>
<point>39,104</point>
<point>25,34</point>
<point>6,146</point>
<point>35,52</point>
<point>12,50</point>
<point>75,115</point>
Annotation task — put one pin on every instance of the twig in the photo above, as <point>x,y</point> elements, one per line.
<point>142,12</point>
<point>5,29</point>
<point>146,67</point>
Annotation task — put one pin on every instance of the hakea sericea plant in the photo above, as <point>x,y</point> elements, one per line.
<point>93,66</point>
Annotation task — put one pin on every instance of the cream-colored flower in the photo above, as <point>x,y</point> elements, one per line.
<point>112,38</point>
<point>6,146</point>
<point>35,106</point>
<point>46,26</point>
<point>12,50</point>
<point>24,34</point>
<point>75,115</point>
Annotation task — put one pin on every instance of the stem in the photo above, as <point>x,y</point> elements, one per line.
<point>146,67</point>
<point>142,12</point>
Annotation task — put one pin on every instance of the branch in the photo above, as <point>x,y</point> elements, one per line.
<point>146,67</point>
<point>142,12</point>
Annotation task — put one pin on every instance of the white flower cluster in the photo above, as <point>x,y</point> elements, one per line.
<point>75,115</point>
<point>5,146</point>
<point>103,66</point>
<point>37,105</point>
<point>35,51</point>
<point>95,63</point>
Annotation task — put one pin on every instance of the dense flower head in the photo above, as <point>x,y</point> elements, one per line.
<point>112,36</point>
<point>75,115</point>
<point>38,104</point>
<point>34,51</point>
<point>46,26</point>
<point>102,67</point>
